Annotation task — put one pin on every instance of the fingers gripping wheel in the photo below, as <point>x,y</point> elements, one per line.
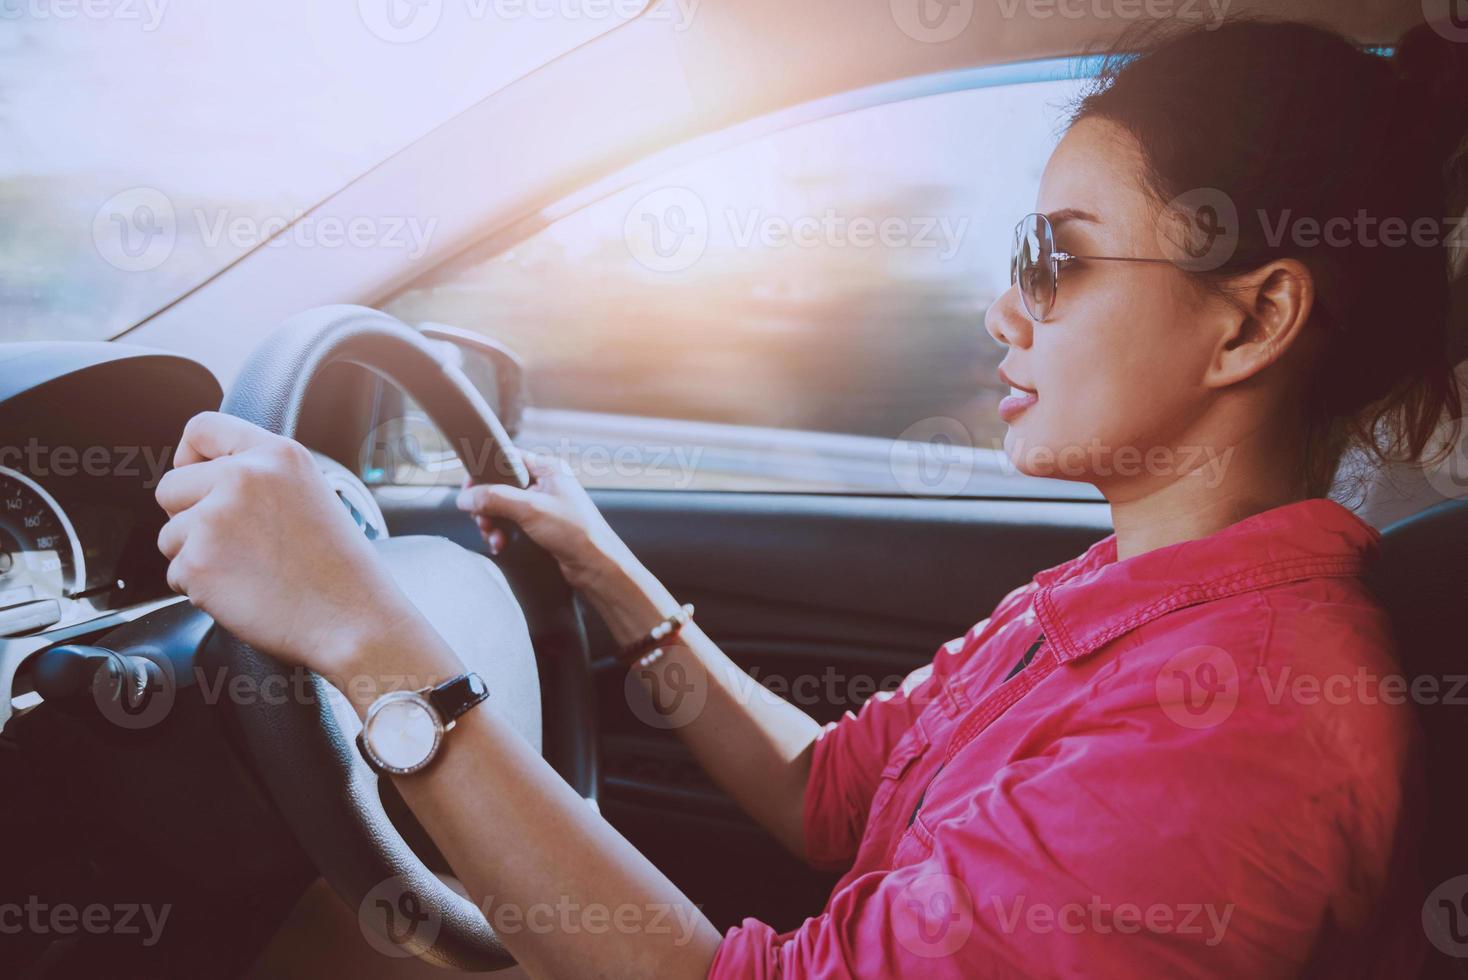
<point>302,746</point>
<point>272,385</point>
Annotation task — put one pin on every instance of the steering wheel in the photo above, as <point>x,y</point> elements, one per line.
<point>302,747</point>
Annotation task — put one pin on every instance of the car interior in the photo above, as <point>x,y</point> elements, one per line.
<point>810,558</point>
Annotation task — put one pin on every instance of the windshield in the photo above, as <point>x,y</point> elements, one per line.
<point>146,145</point>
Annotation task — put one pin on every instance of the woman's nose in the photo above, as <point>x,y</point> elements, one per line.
<point>1007,321</point>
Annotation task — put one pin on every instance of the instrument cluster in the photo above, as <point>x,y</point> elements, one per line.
<point>86,431</point>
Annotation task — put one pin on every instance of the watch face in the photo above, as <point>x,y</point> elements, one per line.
<point>402,732</point>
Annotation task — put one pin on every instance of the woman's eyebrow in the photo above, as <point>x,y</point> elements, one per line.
<point>1072,214</point>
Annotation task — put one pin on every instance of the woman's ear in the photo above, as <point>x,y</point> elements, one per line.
<point>1261,317</point>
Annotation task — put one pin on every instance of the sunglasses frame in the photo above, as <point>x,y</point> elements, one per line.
<point>1057,261</point>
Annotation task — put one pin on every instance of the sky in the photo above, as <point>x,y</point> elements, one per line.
<point>220,98</point>
<point>255,109</point>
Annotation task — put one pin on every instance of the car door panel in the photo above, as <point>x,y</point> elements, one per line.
<point>823,598</point>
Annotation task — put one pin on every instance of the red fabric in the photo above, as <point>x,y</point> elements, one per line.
<point>1208,769</point>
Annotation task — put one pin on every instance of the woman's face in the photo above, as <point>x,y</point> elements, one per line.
<point>1117,372</point>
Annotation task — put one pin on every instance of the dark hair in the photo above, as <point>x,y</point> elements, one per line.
<point>1293,119</point>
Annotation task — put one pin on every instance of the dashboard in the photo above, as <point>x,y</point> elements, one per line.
<point>86,432</point>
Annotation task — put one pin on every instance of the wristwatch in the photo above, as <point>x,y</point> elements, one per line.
<point>404,729</point>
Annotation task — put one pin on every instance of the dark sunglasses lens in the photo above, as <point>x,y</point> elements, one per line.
<point>1032,267</point>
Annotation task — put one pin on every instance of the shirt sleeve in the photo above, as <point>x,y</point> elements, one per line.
<point>1079,861</point>
<point>850,753</point>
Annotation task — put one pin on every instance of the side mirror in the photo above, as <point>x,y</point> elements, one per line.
<point>493,368</point>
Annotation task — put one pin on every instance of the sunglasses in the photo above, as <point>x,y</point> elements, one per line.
<point>1034,264</point>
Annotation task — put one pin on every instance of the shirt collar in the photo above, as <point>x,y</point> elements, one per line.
<point>1091,600</point>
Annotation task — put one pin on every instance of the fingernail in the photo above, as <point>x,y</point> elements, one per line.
<point>465,500</point>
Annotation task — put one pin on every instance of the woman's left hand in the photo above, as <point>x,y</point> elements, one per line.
<point>256,539</point>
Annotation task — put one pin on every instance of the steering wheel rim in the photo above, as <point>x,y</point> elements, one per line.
<point>300,747</point>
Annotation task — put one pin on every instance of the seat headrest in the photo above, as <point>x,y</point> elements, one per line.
<point>1422,578</point>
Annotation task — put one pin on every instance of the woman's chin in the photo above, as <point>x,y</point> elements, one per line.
<point>1021,453</point>
<point>1033,454</point>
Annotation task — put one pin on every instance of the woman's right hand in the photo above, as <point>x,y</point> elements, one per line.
<point>556,512</point>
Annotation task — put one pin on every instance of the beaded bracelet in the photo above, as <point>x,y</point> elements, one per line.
<point>658,635</point>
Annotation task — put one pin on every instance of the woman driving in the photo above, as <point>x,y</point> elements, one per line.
<point>1114,772</point>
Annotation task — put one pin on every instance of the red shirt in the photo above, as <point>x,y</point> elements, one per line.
<point>1204,770</point>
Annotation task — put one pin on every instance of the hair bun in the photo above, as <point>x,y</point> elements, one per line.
<point>1433,86</point>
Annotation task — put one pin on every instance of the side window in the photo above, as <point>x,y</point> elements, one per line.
<point>803,311</point>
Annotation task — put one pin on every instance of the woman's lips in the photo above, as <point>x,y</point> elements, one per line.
<point>1019,399</point>
<point>1014,404</point>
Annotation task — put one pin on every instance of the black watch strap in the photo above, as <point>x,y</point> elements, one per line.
<point>454,697</point>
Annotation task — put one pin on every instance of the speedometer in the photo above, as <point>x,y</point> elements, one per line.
<point>40,556</point>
